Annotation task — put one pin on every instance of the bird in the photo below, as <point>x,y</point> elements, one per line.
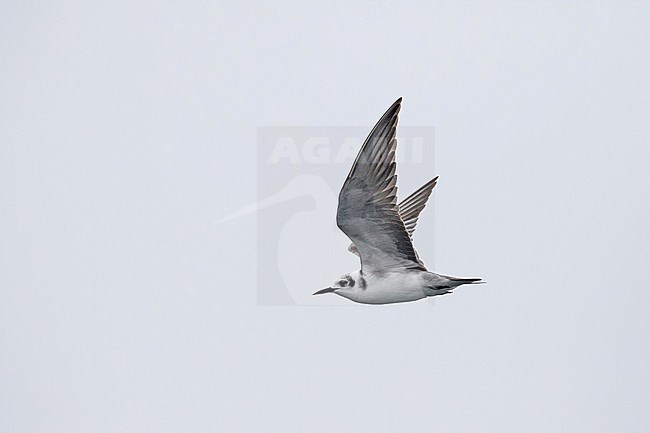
<point>381,230</point>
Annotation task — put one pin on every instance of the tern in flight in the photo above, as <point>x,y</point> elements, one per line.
<point>381,230</point>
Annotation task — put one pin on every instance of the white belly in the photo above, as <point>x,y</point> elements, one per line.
<point>390,288</point>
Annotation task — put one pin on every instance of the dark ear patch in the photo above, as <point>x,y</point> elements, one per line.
<point>362,283</point>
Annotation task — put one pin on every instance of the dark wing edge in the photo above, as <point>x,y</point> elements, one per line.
<point>389,118</point>
<point>367,211</point>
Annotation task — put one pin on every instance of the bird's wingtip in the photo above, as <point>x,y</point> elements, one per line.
<point>395,107</point>
<point>397,103</point>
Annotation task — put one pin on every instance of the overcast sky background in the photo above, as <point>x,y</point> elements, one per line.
<point>128,129</point>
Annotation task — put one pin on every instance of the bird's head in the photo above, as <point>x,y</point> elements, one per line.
<point>345,284</point>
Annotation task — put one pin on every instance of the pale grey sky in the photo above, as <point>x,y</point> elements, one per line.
<point>129,128</point>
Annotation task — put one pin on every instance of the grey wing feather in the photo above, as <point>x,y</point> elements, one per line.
<point>410,208</point>
<point>367,211</point>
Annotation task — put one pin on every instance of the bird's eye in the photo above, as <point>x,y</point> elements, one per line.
<point>343,283</point>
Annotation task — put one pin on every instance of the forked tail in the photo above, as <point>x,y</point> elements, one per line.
<point>455,282</point>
